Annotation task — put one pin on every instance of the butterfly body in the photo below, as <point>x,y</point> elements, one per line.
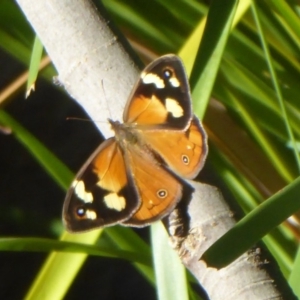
<point>124,133</point>
<point>134,178</point>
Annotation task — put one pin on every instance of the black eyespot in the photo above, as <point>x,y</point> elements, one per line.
<point>80,211</point>
<point>167,73</point>
<point>185,159</point>
<point>162,193</point>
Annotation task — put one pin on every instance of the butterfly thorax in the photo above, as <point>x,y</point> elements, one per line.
<point>125,133</point>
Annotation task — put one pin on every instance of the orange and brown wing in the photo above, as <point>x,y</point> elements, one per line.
<point>183,151</point>
<point>159,191</point>
<point>102,193</point>
<point>161,96</point>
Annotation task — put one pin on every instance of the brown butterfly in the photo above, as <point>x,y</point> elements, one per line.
<point>134,178</point>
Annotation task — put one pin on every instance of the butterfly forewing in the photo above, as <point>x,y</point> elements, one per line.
<point>161,96</point>
<point>103,192</point>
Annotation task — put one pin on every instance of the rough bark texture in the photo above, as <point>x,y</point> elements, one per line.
<point>98,72</point>
<point>252,276</point>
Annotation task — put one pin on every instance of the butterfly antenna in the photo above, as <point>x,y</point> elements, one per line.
<point>83,120</point>
<point>79,119</point>
<point>106,100</point>
<point>93,121</point>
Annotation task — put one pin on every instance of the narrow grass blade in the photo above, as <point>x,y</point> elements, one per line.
<point>254,226</point>
<point>35,60</point>
<point>295,275</point>
<point>208,58</point>
<point>60,269</point>
<point>169,271</point>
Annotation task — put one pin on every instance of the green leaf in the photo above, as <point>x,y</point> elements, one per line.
<point>254,226</point>
<point>295,275</point>
<point>35,60</point>
<point>60,269</point>
<point>48,245</point>
<point>169,271</point>
<point>208,58</point>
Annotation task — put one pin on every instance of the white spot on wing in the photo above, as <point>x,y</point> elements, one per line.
<point>149,78</point>
<point>74,183</point>
<point>115,202</point>
<point>174,82</point>
<point>174,108</point>
<point>90,214</point>
<point>79,189</point>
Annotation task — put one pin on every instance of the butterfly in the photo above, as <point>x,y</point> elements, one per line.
<point>136,177</point>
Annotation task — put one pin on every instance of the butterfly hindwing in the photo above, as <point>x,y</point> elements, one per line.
<point>103,192</point>
<point>158,190</point>
<point>161,96</point>
<point>183,151</point>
